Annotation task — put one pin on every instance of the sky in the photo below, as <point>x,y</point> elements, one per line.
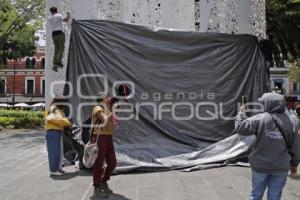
<point>42,37</point>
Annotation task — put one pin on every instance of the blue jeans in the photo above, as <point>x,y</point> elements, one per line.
<point>274,181</point>
<point>53,138</point>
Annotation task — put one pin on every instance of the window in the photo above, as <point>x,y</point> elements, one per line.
<point>43,63</point>
<point>295,87</point>
<point>27,63</point>
<point>29,86</point>
<point>2,86</point>
<point>2,63</point>
<point>42,86</point>
<point>32,63</point>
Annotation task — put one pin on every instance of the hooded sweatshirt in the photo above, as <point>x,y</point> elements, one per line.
<point>270,151</point>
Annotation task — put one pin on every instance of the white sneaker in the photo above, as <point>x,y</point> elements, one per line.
<point>62,171</point>
<point>56,174</point>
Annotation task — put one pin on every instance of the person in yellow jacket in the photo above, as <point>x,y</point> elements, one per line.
<point>55,122</point>
<point>103,127</point>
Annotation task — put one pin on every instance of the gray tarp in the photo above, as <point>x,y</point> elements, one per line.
<point>184,72</point>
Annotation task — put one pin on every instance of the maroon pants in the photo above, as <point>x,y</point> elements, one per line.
<point>106,153</point>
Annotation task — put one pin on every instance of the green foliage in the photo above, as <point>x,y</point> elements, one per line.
<point>283,25</point>
<point>19,21</point>
<point>21,118</point>
<point>294,73</point>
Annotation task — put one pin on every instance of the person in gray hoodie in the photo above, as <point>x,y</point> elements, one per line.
<point>276,140</point>
<point>294,164</point>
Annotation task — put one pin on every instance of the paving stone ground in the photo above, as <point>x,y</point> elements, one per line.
<point>24,176</point>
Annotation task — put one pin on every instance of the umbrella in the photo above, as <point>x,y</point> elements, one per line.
<point>38,105</point>
<point>22,105</point>
<point>5,105</point>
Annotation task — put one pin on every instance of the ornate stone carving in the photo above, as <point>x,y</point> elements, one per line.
<point>108,9</point>
<point>223,16</point>
<point>197,16</point>
<point>258,17</point>
<point>146,12</point>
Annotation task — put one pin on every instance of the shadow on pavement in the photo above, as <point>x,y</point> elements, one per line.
<point>70,175</point>
<point>112,197</point>
<point>117,197</point>
<point>27,135</point>
<point>33,142</point>
<point>297,178</point>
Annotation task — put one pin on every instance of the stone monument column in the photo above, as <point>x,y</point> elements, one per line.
<point>223,16</point>
<point>79,10</point>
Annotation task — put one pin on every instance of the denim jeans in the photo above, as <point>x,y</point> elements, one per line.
<point>274,181</point>
<point>53,138</point>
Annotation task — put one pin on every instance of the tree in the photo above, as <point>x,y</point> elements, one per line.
<point>294,73</point>
<point>19,21</point>
<point>283,28</point>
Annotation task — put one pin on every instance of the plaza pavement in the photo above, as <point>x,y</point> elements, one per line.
<point>24,176</point>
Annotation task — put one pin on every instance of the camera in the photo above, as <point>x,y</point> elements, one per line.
<point>113,100</point>
<point>244,99</point>
<point>121,90</point>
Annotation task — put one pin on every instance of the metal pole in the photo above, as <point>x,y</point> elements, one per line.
<point>14,87</point>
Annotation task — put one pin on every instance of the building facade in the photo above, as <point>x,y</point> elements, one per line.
<point>23,80</point>
<point>281,83</point>
<point>280,80</point>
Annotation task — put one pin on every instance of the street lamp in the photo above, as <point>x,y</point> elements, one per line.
<point>14,82</point>
<point>14,87</point>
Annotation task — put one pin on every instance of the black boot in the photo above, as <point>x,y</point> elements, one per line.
<point>105,188</point>
<point>99,194</point>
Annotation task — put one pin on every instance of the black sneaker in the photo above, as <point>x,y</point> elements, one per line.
<point>60,65</point>
<point>99,194</point>
<point>54,68</point>
<point>105,188</point>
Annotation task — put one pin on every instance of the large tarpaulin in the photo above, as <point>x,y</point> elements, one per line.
<point>186,90</point>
